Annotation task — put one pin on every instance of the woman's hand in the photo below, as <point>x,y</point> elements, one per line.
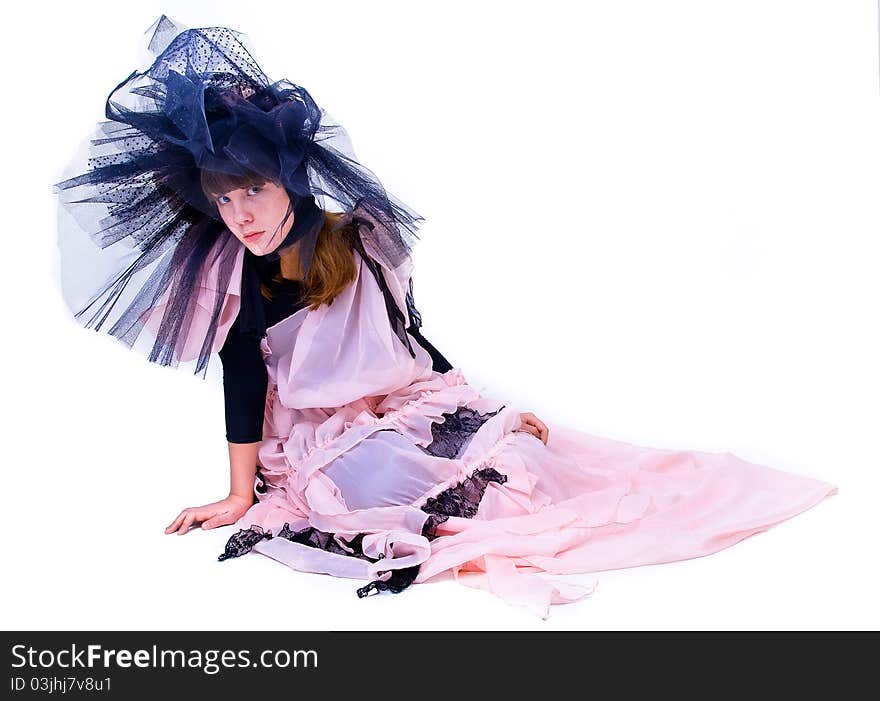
<point>532,424</point>
<point>220,513</point>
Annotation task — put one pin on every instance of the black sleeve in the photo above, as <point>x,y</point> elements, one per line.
<point>245,382</point>
<point>440,364</point>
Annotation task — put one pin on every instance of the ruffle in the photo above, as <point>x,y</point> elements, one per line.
<point>309,446</point>
<point>296,486</point>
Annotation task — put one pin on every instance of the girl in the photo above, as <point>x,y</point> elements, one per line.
<point>248,229</point>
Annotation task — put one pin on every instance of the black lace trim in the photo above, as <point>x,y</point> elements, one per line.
<point>429,530</point>
<point>449,436</point>
<point>462,500</point>
<point>243,542</point>
<point>326,541</point>
<point>396,583</point>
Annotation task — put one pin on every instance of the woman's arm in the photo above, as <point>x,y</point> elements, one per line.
<point>245,382</point>
<point>243,469</point>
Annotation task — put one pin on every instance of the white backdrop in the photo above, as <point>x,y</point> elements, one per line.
<point>655,222</point>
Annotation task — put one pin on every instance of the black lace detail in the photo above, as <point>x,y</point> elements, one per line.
<point>312,537</point>
<point>429,530</point>
<point>448,437</point>
<point>396,583</point>
<point>326,541</point>
<point>243,542</point>
<point>463,500</point>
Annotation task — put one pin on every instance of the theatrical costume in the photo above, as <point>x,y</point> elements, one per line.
<point>378,460</point>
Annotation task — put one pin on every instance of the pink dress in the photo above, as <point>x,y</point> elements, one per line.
<point>378,468</point>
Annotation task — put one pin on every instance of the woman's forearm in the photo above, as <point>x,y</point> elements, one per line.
<point>242,468</point>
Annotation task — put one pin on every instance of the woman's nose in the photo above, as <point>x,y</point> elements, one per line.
<point>242,215</point>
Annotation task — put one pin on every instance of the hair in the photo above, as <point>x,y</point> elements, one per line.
<point>332,268</point>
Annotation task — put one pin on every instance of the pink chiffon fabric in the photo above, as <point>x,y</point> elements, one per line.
<point>348,409</point>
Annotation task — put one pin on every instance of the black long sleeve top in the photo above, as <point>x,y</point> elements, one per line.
<point>245,380</point>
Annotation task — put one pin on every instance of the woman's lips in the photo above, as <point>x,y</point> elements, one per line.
<point>255,235</point>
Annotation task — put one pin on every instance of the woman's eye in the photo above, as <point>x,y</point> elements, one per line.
<point>253,190</point>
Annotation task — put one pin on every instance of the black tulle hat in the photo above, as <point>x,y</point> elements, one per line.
<point>135,228</point>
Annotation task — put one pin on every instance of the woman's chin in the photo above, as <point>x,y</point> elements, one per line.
<point>259,250</point>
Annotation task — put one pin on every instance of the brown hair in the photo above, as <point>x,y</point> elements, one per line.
<point>332,268</point>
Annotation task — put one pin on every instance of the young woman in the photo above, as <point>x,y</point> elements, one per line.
<point>355,448</point>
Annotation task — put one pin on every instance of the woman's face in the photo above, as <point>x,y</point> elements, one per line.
<point>254,215</point>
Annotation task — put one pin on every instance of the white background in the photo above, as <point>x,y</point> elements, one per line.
<point>655,222</point>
